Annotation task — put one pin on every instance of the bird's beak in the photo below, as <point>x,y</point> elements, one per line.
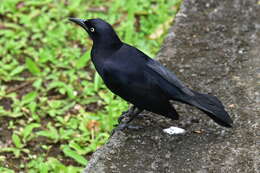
<point>80,22</point>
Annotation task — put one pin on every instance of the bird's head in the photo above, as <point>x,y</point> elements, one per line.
<point>101,32</point>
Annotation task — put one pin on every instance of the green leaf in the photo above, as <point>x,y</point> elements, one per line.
<point>6,170</point>
<point>63,87</point>
<point>16,140</point>
<point>29,97</point>
<point>37,84</point>
<point>43,167</point>
<point>82,61</point>
<point>97,81</point>
<point>55,104</point>
<point>15,151</point>
<point>52,133</point>
<point>17,70</point>
<point>78,148</point>
<point>32,106</point>
<point>28,130</point>
<point>32,67</point>
<point>55,164</point>
<point>70,153</point>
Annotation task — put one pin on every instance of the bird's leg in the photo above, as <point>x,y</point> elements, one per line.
<point>126,114</point>
<point>132,114</point>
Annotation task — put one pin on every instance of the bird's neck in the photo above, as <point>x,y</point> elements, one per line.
<point>107,45</point>
<point>104,48</point>
<point>100,53</point>
<point>110,41</point>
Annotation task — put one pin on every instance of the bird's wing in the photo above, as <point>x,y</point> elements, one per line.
<point>168,76</point>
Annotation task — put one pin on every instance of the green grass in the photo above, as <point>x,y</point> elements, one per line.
<point>54,109</point>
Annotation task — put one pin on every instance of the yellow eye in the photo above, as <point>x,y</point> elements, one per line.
<point>92,29</point>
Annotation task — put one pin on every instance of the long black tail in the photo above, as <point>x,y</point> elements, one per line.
<point>212,107</point>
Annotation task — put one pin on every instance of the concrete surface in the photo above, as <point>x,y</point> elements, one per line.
<point>214,47</point>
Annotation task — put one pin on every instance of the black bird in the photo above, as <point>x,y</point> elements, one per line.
<point>142,81</point>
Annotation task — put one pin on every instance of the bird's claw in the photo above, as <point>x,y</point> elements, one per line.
<point>121,127</point>
<point>118,128</point>
<point>123,116</point>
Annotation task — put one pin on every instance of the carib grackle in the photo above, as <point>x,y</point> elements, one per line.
<point>142,81</point>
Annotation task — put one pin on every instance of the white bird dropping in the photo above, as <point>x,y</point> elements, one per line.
<point>174,130</point>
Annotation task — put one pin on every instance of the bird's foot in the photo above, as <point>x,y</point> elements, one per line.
<point>121,127</point>
<point>123,116</point>
<point>126,114</point>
